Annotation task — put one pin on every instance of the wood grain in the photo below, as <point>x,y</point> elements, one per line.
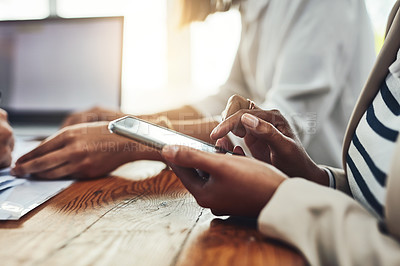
<point>116,221</point>
<point>234,241</point>
<point>146,230</point>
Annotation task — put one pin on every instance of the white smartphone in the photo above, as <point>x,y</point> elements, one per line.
<point>156,136</point>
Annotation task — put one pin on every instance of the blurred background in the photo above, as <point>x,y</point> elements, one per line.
<point>165,65</point>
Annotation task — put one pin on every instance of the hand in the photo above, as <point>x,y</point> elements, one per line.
<point>270,138</point>
<point>236,103</point>
<point>81,151</point>
<point>237,185</point>
<point>92,115</point>
<point>6,140</point>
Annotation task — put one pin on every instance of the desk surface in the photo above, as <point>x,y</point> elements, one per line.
<point>116,221</point>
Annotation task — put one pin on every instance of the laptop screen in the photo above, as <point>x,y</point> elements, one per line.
<point>54,66</point>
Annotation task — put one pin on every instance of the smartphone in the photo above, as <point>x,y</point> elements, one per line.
<point>156,136</point>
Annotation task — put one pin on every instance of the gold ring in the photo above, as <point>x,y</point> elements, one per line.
<point>252,105</point>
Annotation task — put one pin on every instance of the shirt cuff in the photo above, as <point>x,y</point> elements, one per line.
<point>332,181</point>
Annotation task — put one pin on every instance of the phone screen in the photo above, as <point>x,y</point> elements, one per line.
<point>157,136</point>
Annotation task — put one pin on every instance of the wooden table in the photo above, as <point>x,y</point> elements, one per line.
<point>116,221</point>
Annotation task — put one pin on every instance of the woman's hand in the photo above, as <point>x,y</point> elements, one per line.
<point>236,103</point>
<point>6,140</point>
<point>237,185</point>
<point>81,151</point>
<point>92,115</point>
<point>270,138</point>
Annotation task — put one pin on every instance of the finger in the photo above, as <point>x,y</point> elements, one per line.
<point>57,172</point>
<point>235,103</point>
<point>258,147</point>
<point>225,144</point>
<point>5,158</point>
<point>238,151</point>
<point>232,123</point>
<point>3,115</point>
<point>41,164</point>
<point>6,133</point>
<point>265,131</point>
<point>11,143</point>
<point>192,158</point>
<point>261,151</point>
<point>189,178</point>
<point>51,144</point>
<point>68,121</point>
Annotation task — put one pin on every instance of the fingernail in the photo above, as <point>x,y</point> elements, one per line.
<point>15,172</point>
<point>169,151</point>
<point>250,120</point>
<point>219,143</point>
<point>214,131</point>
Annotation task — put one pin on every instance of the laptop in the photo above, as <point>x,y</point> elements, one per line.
<point>52,67</point>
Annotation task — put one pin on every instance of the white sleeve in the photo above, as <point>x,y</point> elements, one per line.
<point>215,104</point>
<point>327,226</point>
<point>313,64</point>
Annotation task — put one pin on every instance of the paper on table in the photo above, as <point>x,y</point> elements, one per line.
<point>11,183</point>
<point>21,198</point>
<point>24,198</point>
<point>8,181</point>
<point>6,178</point>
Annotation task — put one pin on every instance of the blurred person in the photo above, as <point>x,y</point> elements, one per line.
<point>307,58</point>
<point>289,193</point>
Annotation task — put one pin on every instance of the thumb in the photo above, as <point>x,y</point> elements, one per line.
<point>192,158</point>
<point>189,178</point>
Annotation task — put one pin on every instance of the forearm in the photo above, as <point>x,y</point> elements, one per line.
<point>326,226</point>
<point>180,114</point>
<point>198,128</point>
<point>132,151</point>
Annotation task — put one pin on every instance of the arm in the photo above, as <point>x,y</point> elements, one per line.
<point>210,106</point>
<point>184,113</point>
<point>186,120</point>
<point>89,150</point>
<point>96,114</point>
<point>327,226</point>
<point>86,150</point>
<point>199,128</point>
<point>313,64</point>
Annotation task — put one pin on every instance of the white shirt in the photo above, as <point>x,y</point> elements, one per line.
<point>307,58</point>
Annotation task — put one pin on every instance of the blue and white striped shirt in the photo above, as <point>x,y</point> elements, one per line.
<point>371,150</point>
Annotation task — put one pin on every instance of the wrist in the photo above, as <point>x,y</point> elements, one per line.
<point>107,116</point>
<point>320,176</point>
<point>134,151</point>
